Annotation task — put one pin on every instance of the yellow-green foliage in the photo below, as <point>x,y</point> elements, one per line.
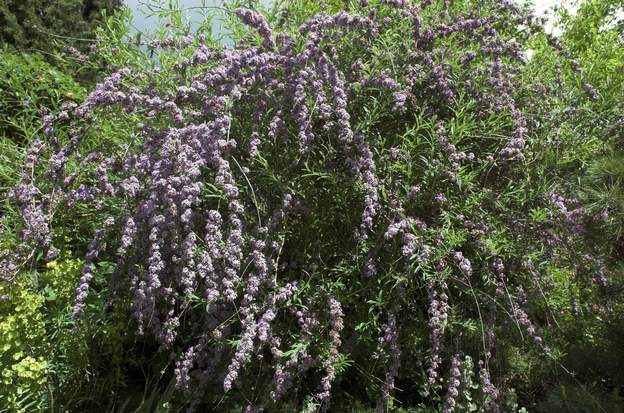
<point>60,279</point>
<point>26,353</point>
<point>22,341</point>
<point>70,346</point>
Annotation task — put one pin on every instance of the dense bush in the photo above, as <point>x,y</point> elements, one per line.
<point>42,25</point>
<point>596,37</point>
<point>371,210</point>
<point>593,35</point>
<point>23,373</point>
<point>28,85</point>
<point>42,360</point>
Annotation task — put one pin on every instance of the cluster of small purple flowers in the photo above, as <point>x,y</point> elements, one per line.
<point>258,22</point>
<point>336,326</point>
<point>389,344</point>
<point>410,242</point>
<point>463,263</point>
<point>490,391</point>
<point>438,316</point>
<point>520,315</point>
<point>96,245</point>
<point>574,215</point>
<point>366,170</point>
<point>454,381</point>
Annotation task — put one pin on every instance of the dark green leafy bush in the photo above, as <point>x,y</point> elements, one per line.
<point>38,25</point>
<point>28,85</point>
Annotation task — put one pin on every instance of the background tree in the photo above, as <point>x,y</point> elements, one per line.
<point>36,24</point>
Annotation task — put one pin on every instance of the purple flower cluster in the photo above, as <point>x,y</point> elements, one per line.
<point>454,381</point>
<point>336,325</point>
<point>513,149</point>
<point>410,242</point>
<point>523,319</point>
<point>463,263</point>
<point>490,391</point>
<point>258,22</point>
<point>87,273</point>
<point>389,344</point>
<point>574,215</point>
<point>438,316</point>
<point>519,314</point>
<point>366,171</point>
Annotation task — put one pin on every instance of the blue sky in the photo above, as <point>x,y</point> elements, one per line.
<point>145,24</point>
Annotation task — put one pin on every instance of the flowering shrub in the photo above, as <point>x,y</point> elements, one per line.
<point>359,207</point>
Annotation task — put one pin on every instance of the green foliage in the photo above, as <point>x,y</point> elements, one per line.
<point>47,365</point>
<point>37,25</point>
<point>29,84</point>
<point>44,363</point>
<point>604,187</point>
<point>594,22</point>
<point>22,344</point>
<point>579,399</point>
